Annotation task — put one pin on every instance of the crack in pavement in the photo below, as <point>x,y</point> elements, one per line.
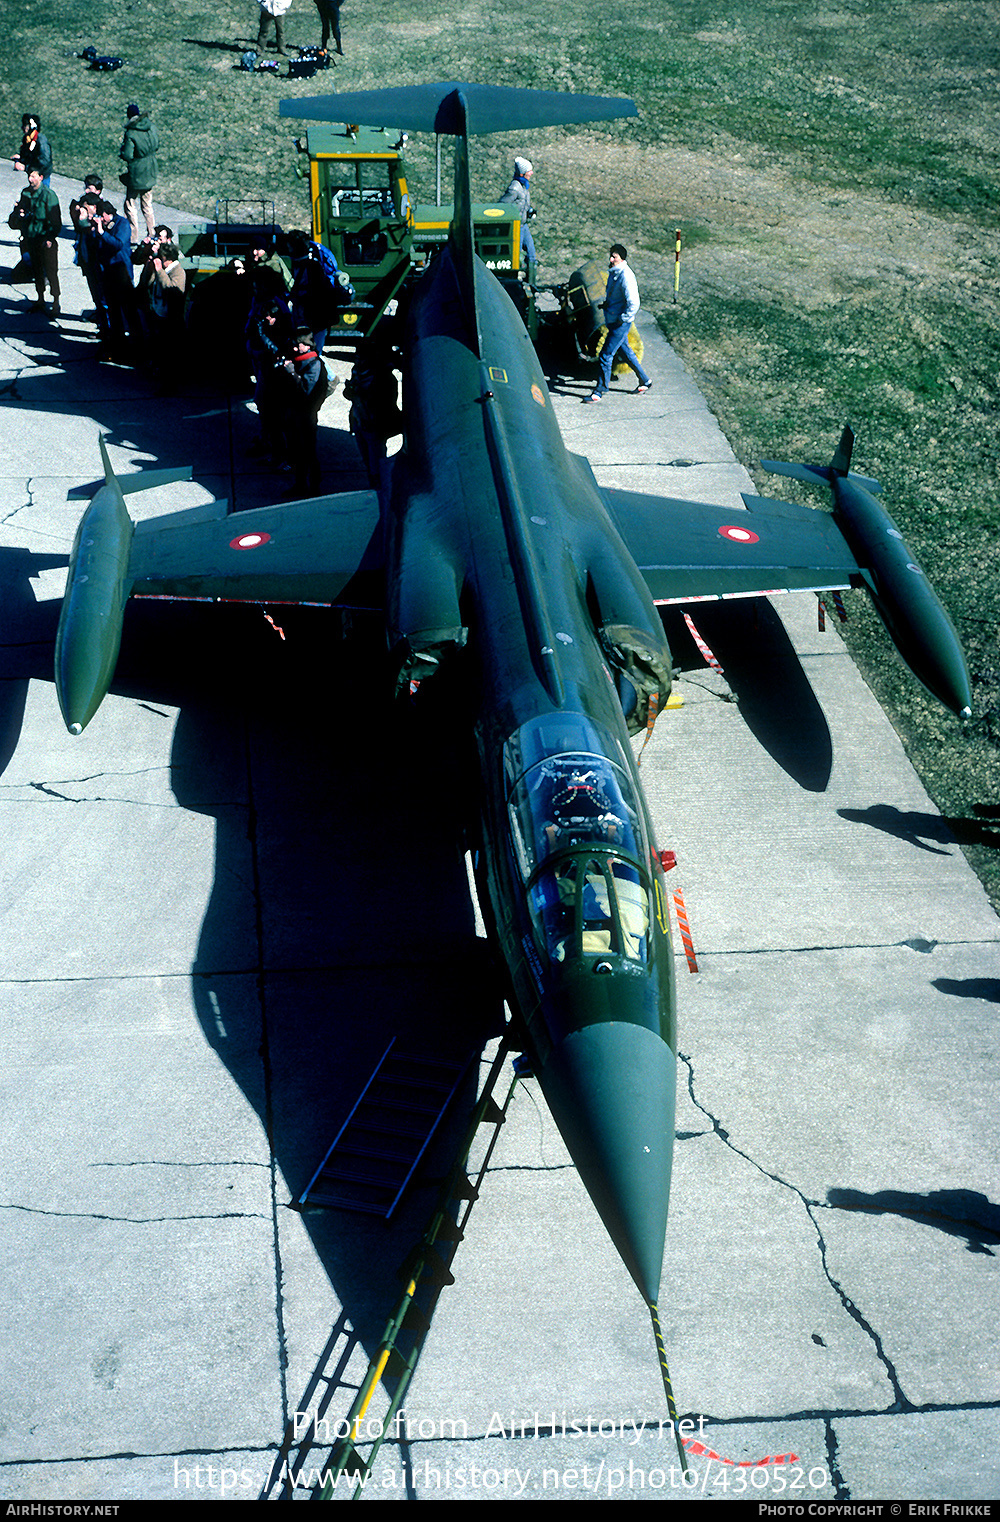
<point>30,502</point>
<point>911,944</point>
<point>50,792</point>
<point>158,1162</point>
<point>142,1220</point>
<point>136,771</point>
<point>8,389</point>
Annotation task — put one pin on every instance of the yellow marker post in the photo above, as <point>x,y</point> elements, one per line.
<point>677,262</point>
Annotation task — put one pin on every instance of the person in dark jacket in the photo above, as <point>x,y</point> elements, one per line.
<point>81,209</point>
<point>38,220</point>
<point>318,290</point>
<point>34,152</point>
<point>305,386</point>
<point>139,148</point>
<point>329,15</point>
<point>109,254</point>
<point>268,338</point>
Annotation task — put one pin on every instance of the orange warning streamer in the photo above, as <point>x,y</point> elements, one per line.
<point>651,713</point>
<point>685,930</point>
<point>706,652</point>
<point>698,1450</point>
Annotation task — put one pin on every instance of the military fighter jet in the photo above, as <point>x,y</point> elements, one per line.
<point>510,570</point>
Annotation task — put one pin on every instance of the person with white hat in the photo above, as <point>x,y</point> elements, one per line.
<point>518,193</point>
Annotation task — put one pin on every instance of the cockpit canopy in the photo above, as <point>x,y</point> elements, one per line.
<point>573,818</point>
<point>572,800</point>
<point>565,789</point>
<point>584,905</point>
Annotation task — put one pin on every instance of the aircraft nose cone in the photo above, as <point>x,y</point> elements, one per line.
<point>612,1091</point>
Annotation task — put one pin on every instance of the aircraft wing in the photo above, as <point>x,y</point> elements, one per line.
<point>688,551</point>
<point>301,552</point>
<point>296,552</point>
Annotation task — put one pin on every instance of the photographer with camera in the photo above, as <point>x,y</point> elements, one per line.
<point>303,386</point>
<point>109,256</point>
<point>38,220</point>
<point>34,152</point>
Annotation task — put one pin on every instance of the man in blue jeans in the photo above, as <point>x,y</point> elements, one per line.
<point>621,303</point>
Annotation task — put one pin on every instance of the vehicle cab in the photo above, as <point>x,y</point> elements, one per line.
<point>361,211</point>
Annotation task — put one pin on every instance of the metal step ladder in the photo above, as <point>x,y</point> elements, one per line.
<point>379,1147</point>
<point>426,1273</point>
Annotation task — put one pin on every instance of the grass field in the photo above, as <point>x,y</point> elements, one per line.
<point>834,172</point>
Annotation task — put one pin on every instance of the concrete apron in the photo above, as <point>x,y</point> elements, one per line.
<point>216,912</point>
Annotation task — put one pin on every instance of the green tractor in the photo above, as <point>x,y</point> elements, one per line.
<point>363,213</point>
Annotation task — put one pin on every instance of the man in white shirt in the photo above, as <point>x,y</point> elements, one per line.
<point>621,303</point>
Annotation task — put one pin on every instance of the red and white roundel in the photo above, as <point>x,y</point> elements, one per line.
<point>248,541</point>
<point>738,534</point>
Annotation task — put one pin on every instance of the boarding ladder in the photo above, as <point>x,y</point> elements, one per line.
<point>379,1147</point>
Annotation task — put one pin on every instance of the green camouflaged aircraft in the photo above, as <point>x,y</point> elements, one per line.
<point>510,570</point>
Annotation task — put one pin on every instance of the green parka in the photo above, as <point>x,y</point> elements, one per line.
<point>138,149</point>
<point>37,214</point>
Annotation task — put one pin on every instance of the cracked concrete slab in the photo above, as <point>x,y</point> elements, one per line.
<point>922,1456</point>
<point>209,1336</point>
<point>216,908</point>
<point>841,1028</point>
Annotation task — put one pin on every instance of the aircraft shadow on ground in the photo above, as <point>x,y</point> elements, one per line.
<point>765,676</point>
<point>340,913</point>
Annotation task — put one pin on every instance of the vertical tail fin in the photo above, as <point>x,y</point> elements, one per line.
<point>841,462</point>
<point>463,242</point>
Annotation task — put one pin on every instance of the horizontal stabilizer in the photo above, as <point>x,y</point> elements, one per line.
<point>824,475</point>
<point>436,108</point>
<point>147,479</point>
<point>815,475</point>
<point>143,480</point>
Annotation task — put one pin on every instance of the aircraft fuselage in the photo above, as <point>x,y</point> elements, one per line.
<point>498,540</point>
